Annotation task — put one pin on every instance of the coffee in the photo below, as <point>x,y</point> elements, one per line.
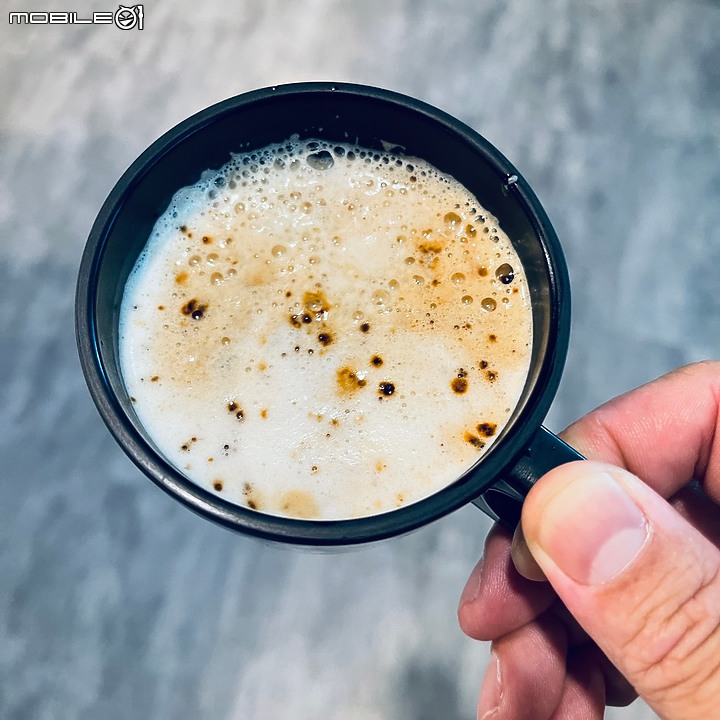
<point>323,331</point>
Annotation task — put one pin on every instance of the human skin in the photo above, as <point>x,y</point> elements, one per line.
<point>629,543</point>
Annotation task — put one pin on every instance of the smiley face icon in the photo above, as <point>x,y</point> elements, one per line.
<point>126,18</point>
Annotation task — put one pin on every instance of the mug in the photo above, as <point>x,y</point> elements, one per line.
<point>376,119</point>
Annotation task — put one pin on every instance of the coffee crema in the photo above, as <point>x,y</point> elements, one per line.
<point>323,331</point>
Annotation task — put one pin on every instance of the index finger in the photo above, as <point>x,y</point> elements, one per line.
<point>666,432</point>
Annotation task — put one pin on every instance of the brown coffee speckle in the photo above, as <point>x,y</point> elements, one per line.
<point>431,247</point>
<point>325,338</point>
<point>459,385</point>
<point>186,446</point>
<point>316,302</point>
<point>474,440</point>
<point>386,389</point>
<point>207,240</point>
<point>295,321</point>
<point>376,360</point>
<point>218,485</point>
<point>183,229</point>
<point>232,406</point>
<point>483,364</point>
<point>482,271</point>
<point>264,413</point>
<point>181,278</point>
<point>491,375</point>
<point>348,380</point>
<point>365,327</point>
<point>492,338</point>
<point>154,378</point>
<point>487,429</point>
<point>299,503</point>
<point>194,308</point>
<point>251,498</point>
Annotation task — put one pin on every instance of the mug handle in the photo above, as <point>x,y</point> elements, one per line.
<point>503,500</point>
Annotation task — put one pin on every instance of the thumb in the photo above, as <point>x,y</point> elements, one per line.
<point>639,578</point>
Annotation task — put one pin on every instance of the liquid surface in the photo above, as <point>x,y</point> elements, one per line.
<point>325,332</point>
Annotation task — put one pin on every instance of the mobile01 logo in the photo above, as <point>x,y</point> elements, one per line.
<point>125,17</point>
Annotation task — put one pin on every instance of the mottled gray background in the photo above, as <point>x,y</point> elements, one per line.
<point>115,602</point>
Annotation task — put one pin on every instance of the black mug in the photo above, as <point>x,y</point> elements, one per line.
<point>375,119</point>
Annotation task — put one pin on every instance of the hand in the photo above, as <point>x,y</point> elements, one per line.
<point>633,599</point>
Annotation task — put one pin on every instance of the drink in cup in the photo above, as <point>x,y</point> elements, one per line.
<point>325,331</point>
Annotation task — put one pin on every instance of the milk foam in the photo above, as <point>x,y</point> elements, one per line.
<point>322,331</point>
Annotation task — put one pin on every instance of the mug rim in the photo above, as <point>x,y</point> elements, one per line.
<point>466,488</point>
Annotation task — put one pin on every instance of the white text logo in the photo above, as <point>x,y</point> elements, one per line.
<point>125,18</point>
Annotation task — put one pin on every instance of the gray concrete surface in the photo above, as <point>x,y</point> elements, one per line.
<point>116,602</point>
